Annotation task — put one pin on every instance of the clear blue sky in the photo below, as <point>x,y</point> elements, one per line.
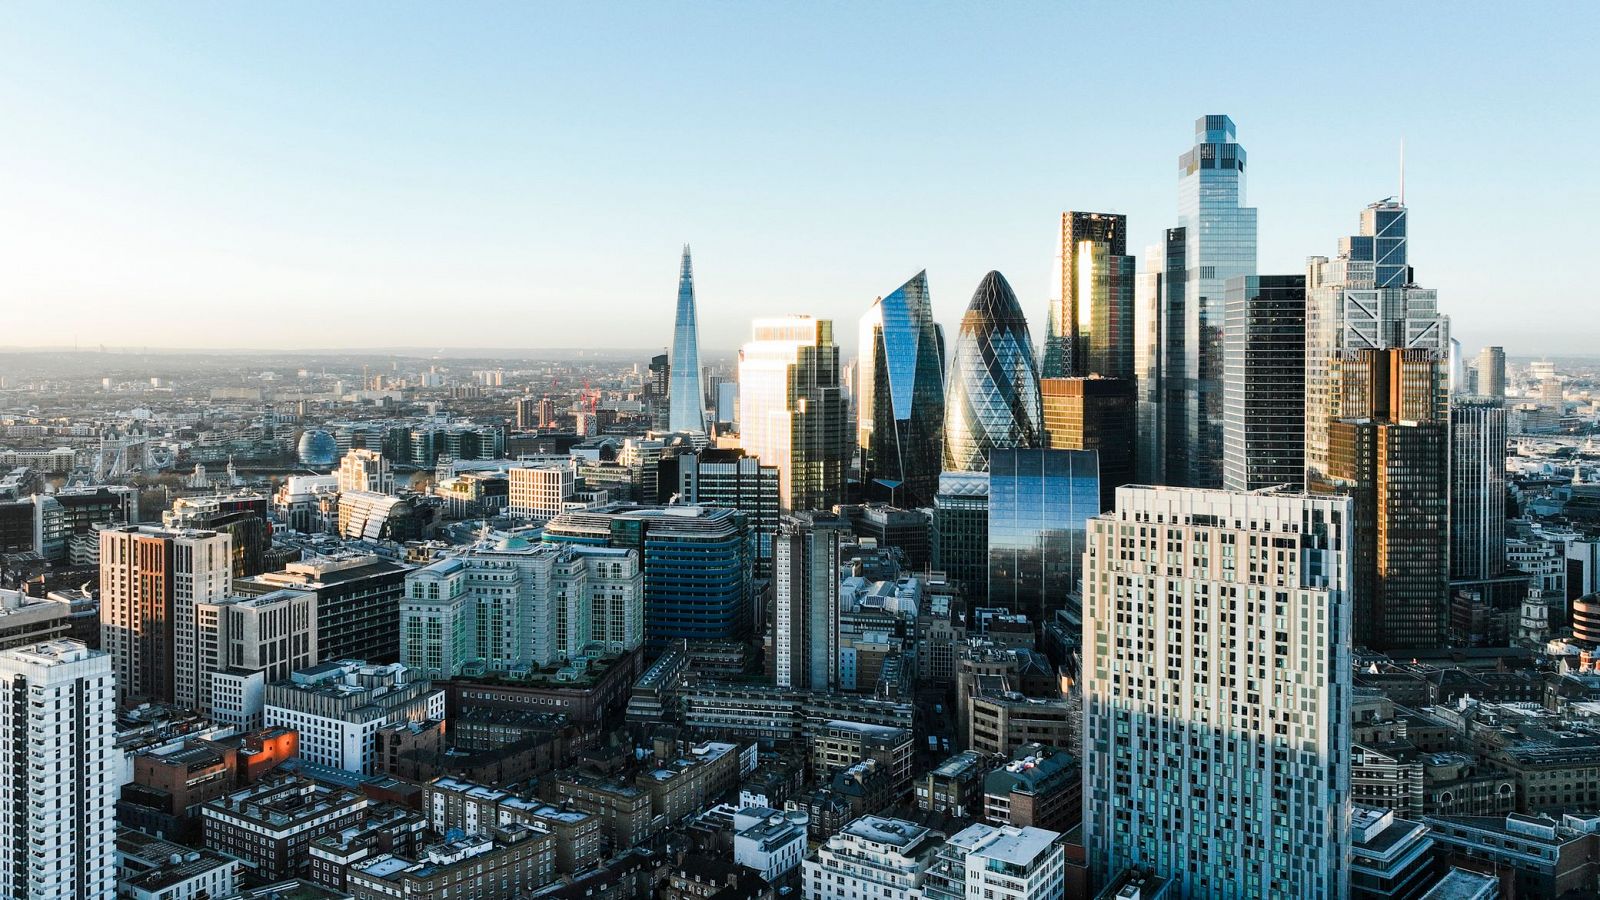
<point>522,174</point>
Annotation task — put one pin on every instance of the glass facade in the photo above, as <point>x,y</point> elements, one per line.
<point>1477,491</point>
<point>1039,502</point>
<point>1220,243</point>
<point>1089,323</point>
<point>687,397</point>
<point>1264,377</point>
<point>1094,414</point>
<point>900,397</point>
<point>961,531</point>
<point>993,398</point>
<point>792,412</point>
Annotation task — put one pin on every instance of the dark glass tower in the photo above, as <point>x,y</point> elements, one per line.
<point>993,391</point>
<point>1039,502</point>
<point>900,397</point>
<point>1089,325</point>
<point>1264,380</point>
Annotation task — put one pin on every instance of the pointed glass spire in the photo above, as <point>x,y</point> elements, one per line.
<point>686,396</point>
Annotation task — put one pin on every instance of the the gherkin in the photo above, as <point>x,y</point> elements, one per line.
<point>992,393</point>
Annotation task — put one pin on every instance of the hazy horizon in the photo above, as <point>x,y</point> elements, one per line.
<point>349,177</point>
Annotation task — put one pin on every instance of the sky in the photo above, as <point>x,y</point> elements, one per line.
<point>522,175</point>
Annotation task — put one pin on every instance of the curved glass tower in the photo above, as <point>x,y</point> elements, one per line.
<point>900,396</point>
<point>686,395</point>
<point>993,398</point>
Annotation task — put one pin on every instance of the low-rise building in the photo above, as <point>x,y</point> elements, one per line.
<point>955,786</point>
<point>1003,721</point>
<point>458,804</point>
<point>511,861</point>
<point>387,828</point>
<point>872,858</point>
<point>269,826</point>
<point>1005,861</point>
<point>149,868</point>
<point>769,841</point>
<point>840,744</point>
<point>1391,858</point>
<point>1041,786</point>
<point>338,708</point>
<point>1545,857</point>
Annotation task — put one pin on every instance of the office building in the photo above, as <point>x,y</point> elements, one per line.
<point>1492,373</point>
<point>28,620</point>
<point>1364,300</point>
<point>1158,360</point>
<point>992,397</point>
<point>696,562</point>
<point>57,737</point>
<point>805,618</point>
<point>365,470</point>
<point>792,411</point>
<point>961,530</point>
<point>358,602</point>
<point>248,642</point>
<point>369,516</point>
<point>149,868</point>
<point>1000,861</point>
<point>687,412</point>
<point>873,858</point>
<point>899,394</point>
<point>511,606</point>
<point>338,708</point>
<point>539,493</point>
<point>1040,786</point>
<point>1098,414</point>
<point>150,580</point>
<point>1263,383</point>
<point>734,479</point>
<point>1219,242</point>
<point>1038,503</point>
<point>242,516</point>
<point>769,841</point>
<point>1393,460</point>
<point>270,825</point>
<point>1477,491</point>
<point>1089,325</point>
<point>1216,691</point>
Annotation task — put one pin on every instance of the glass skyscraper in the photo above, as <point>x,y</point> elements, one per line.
<point>993,392</point>
<point>1039,501</point>
<point>687,404</point>
<point>1219,243</point>
<point>1090,320</point>
<point>1477,491</point>
<point>961,530</point>
<point>899,391</point>
<point>792,411</point>
<point>1264,377</point>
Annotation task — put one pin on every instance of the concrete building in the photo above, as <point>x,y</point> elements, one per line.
<point>1041,786</point>
<point>28,620</point>
<point>149,868</point>
<point>57,740</point>
<point>768,841</point>
<point>338,708</point>
<point>270,825</point>
<point>247,643</point>
<point>540,493</point>
<point>365,470</point>
<point>838,744</point>
<point>452,804</point>
<point>358,602</point>
<point>1216,652</point>
<point>509,861</point>
<point>805,618</point>
<point>955,786</point>
<point>1391,858</point>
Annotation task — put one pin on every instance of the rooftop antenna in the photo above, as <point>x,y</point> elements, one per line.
<point>1402,171</point>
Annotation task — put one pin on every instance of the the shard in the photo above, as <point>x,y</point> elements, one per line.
<point>686,396</point>
<point>900,396</point>
<point>993,390</point>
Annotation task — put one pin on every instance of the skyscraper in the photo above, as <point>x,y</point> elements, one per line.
<point>1264,377</point>
<point>1158,358</point>
<point>1219,235</point>
<point>993,393</point>
<point>1038,503</point>
<point>900,396</point>
<point>1216,691</point>
<point>805,630</point>
<point>961,529</point>
<point>1089,326</point>
<point>1492,373</point>
<point>1363,299</point>
<point>687,396</point>
<point>1477,491</point>
<point>150,580</point>
<point>58,741</point>
<point>792,412</point>
<point>1096,414</point>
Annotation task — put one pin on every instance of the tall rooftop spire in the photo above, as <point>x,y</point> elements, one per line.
<point>685,394</point>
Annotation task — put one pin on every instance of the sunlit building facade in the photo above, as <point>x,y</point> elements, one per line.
<point>1216,691</point>
<point>992,398</point>
<point>899,393</point>
<point>1089,323</point>
<point>1219,234</point>
<point>792,411</point>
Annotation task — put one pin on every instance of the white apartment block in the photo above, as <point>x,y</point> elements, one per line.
<point>338,708</point>
<point>58,743</point>
<point>873,858</point>
<point>1216,691</point>
<point>999,863</point>
<point>769,841</point>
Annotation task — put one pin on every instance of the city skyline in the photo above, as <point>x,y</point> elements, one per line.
<point>290,181</point>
